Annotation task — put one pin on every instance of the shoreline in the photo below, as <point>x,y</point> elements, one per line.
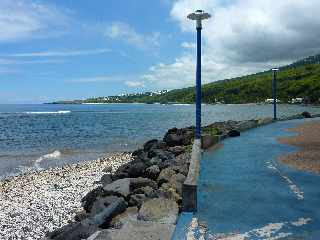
<point>50,197</point>
<point>307,157</point>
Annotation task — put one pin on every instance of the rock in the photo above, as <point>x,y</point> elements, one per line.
<point>177,150</point>
<point>153,172</point>
<point>155,161</point>
<point>136,169</point>
<point>80,216</point>
<point>306,115</point>
<point>101,203</point>
<point>147,191</point>
<point>176,182</point>
<point>107,169</point>
<point>183,159</point>
<point>159,210</point>
<point>179,137</point>
<point>138,230</point>
<point>74,231</point>
<point>89,199</point>
<point>165,175</point>
<point>150,144</point>
<point>119,187</point>
<point>265,121</point>
<point>130,214</point>
<point>168,192</point>
<point>103,218</point>
<point>142,182</point>
<point>234,133</point>
<point>137,200</point>
<point>161,154</point>
<point>106,179</point>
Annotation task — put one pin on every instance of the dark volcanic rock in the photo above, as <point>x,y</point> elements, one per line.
<point>137,200</point>
<point>234,133</point>
<point>89,199</point>
<point>106,179</point>
<point>306,115</point>
<point>142,182</point>
<point>177,150</point>
<point>137,169</point>
<point>153,172</point>
<point>179,137</point>
<point>165,175</point>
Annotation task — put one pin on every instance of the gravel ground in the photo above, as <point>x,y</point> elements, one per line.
<point>38,202</point>
<point>308,142</point>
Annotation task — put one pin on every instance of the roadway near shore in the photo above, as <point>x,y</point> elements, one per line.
<point>245,192</point>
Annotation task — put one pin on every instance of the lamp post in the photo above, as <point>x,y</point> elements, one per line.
<point>274,92</point>
<point>198,16</point>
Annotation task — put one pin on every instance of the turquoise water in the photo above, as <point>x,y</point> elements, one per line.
<point>41,136</point>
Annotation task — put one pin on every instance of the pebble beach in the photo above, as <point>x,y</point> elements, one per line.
<point>41,201</point>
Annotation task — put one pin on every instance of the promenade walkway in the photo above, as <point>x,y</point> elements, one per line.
<point>245,193</point>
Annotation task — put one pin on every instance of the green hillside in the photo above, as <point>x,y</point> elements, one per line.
<point>298,80</point>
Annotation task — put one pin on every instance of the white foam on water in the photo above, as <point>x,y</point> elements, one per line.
<point>54,112</point>
<point>54,155</point>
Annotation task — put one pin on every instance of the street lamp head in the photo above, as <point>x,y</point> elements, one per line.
<point>275,69</point>
<point>198,16</point>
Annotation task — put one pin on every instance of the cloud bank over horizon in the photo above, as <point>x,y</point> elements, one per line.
<point>242,37</point>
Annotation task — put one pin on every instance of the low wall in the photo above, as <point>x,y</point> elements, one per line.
<point>189,187</point>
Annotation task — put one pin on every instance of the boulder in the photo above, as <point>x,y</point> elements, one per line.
<point>106,179</point>
<point>306,115</point>
<point>130,214</point>
<point>168,192</point>
<point>101,203</point>
<point>178,137</point>
<point>165,175</point>
<point>119,187</point>
<point>147,191</point>
<point>234,133</point>
<point>153,172</point>
<point>136,169</point>
<point>177,150</point>
<point>88,200</point>
<point>74,231</point>
<point>182,159</point>
<point>159,210</point>
<point>161,154</point>
<point>137,200</point>
<point>139,230</point>
<point>142,182</point>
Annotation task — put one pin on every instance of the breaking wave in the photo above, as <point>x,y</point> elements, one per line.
<point>56,112</point>
<point>54,155</point>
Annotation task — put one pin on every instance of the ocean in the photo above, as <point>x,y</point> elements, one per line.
<point>44,135</point>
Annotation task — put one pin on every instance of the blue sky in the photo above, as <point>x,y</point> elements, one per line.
<point>74,49</point>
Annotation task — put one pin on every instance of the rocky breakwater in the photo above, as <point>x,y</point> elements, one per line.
<point>141,199</point>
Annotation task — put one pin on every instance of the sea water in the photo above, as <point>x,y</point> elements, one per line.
<point>41,136</point>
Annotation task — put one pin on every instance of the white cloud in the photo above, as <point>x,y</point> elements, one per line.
<point>62,53</point>
<point>24,19</point>
<point>243,37</point>
<point>126,33</point>
<point>135,84</point>
<point>188,45</point>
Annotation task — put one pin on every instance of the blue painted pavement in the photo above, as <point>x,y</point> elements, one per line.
<point>245,193</point>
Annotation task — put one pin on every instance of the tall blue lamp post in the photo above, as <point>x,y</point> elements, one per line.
<point>274,92</point>
<point>198,16</point>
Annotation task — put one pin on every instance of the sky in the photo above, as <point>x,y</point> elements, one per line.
<point>75,49</point>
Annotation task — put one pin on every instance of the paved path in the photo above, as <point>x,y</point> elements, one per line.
<point>244,193</point>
